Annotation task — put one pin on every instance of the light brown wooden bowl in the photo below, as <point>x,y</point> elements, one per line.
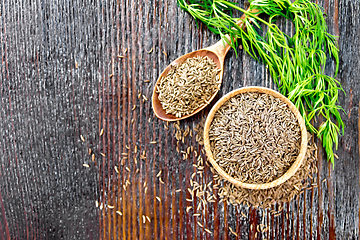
<point>294,167</point>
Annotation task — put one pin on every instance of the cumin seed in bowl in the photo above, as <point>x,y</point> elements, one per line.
<point>255,138</point>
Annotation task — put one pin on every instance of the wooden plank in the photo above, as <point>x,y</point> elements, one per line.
<point>346,182</point>
<point>56,61</point>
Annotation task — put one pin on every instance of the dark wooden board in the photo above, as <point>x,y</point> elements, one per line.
<point>56,60</point>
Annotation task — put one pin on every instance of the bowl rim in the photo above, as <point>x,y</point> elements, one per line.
<point>294,167</point>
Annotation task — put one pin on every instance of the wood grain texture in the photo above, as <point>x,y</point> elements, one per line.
<point>61,77</point>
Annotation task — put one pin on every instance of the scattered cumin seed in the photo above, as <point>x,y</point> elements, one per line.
<point>76,65</point>
<point>118,212</point>
<point>111,75</point>
<point>207,230</point>
<point>158,198</point>
<point>188,208</point>
<point>133,108</point>
<point>164,53</point>
<point>159,173</point>
<point>101,132</point>
<point>127,169</point>
<point>178,190</point>
<point>103,154</point>
<point>199,224</point>
<point>151,50</point>
<point>82,138</point>
<point>93,157</point>
<point>116,169</point>
<point>145,98</point>
<point>191,192</point>
<point>196,214</point>
<point>96,203</point>
<point>144,219</point>
<point>90,151</point>
<point>86,165</point>
<point>232,231</point>
<point>153,142</point>
<point>148,218</point>
<point>146,81</point>
<point>110,206</point>
<point>120,56</point>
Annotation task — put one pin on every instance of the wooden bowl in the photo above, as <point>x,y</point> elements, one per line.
<point>294,167</point>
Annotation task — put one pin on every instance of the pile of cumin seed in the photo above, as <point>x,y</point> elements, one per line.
<point>255,137</point>
<point>265,198</point>
<point>188,86</point>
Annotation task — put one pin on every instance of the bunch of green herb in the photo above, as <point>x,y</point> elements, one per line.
<point>296,63</point>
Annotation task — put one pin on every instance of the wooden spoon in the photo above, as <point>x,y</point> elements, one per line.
<point>216,52</point>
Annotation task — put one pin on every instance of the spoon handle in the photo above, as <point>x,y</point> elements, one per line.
<point>222,47</point>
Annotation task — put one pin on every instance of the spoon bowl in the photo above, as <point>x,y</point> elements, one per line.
<point>216,52</point>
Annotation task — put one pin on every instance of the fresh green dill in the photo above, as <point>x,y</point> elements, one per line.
<point>296,63</point>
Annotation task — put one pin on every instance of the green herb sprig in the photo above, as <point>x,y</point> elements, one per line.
<point>296,63</point>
